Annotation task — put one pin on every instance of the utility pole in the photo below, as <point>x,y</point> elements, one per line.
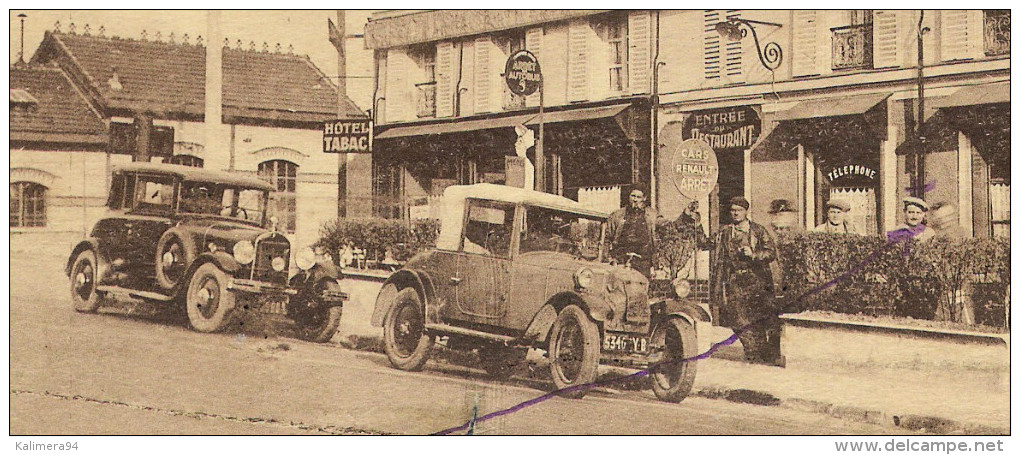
<point>21,52</point>
<point>337,36</point>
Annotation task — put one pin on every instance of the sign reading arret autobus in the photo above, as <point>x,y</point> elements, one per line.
<point>347,136</point>
<point>522,73</point>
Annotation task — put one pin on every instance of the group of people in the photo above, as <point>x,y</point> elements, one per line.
<point>745,276</point>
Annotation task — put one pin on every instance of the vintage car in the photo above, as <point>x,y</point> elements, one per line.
<point>515,269</point>
<point>198,241</point>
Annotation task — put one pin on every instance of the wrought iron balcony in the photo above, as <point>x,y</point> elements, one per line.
<point>996,32</point>
<point>852,47</point>
<point>426,99</point>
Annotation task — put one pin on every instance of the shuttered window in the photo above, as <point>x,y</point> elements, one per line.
<point>616,38</point>
<point>483,75</point>
<point>578,57</point>
<point>955,44</point>
<point>887,37</point>
<point>399,103</point>
<point>733,54</point>
<point>639,51</point>
<point>723,59</point>
<point>805,50</point>
<point>444,79</point>
<point>712,46</point>
<point>533,42</point>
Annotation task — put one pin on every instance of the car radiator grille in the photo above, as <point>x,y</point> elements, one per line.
<point>637,301</point>
<point>266,250</point>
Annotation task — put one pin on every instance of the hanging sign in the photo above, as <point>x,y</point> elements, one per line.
<point>347,136</point>
<point>727,129</point>
<point>693,168</point>
<point>522,74</point>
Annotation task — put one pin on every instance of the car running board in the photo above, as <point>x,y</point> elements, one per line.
<point>450,329</point>
<point>144,295</point>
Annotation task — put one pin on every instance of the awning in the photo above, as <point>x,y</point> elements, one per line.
<point>455,126</point>
<point>831,107</point>
<point>575,115</point>
<point>975,95</point>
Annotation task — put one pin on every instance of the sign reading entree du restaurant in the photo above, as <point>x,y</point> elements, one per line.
<point>347,136</point>
<point>727,129</point>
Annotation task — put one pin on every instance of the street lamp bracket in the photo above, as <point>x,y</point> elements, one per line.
<point>735,29</point>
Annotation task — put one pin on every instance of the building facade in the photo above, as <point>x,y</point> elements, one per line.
<point>273,106</point>
<point>835,115</point>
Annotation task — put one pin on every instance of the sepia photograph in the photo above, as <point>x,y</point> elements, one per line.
<point>517,222</point>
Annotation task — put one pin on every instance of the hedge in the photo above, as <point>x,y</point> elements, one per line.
<point>402,238</point>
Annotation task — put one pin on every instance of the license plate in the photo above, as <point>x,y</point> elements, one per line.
<point>626,343</point>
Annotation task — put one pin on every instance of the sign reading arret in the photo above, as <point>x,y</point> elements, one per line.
<point>522,73</point>
<point>347,136</point>
<point>694,168</point>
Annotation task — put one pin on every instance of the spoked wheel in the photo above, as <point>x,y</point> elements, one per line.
<point>574,351</point>
<point>83,283</point>
<point>210,305</point>
<point>672,378</point>
<point>316,321</point>
<point>407,345</point>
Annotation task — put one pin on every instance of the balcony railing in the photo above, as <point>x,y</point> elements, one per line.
<point>852,47</point>
<point>426,99</point>
<point>996,32</point>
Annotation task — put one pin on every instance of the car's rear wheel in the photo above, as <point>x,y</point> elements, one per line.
<point>316,321</point>
<point>501,361</point>
<point>84,277</point>
<point>406,344</point>
<point>574,351</point>
<point>672,377</point>
<point>210,305</point>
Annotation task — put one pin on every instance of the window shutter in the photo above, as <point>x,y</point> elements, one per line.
<point>805,50</point>
<point>954,42</point>
<point>639,43</point>
<point>886,40</point>
<point>733,63</point>
<point>711,48</point>
<point>533,43</point>
<point>444,79</point>
<point>399,105</point>
<point>577,61</point>
<point>483,75</point>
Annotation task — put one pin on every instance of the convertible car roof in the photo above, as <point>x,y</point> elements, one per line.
<point>196,174</point>
<point>517,195</point>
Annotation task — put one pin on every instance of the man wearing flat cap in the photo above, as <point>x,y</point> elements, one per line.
<point>630,233</point>
<point>914,212</point>
<point>835,218</point>
<point>743,285</point>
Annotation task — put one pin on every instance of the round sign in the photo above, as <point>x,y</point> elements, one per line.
<point>693,168</point>
<point>522,73</point>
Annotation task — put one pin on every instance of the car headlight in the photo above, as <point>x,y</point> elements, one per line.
<point>682,288</point>
<point>583,278</point>
<point>244,252</point>
<point>305,258</point>
<point>279,264</point>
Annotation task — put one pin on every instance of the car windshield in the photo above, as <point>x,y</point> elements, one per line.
<point>563,232</point>
<point>243,204</point>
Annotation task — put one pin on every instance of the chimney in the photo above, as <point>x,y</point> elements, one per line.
<point>214,86</point>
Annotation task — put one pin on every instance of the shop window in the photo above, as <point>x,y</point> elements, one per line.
<point>28,204</point>
<point>187,160</point>
<point>282,202</point>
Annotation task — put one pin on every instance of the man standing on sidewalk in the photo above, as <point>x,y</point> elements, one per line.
<point>743,285</point>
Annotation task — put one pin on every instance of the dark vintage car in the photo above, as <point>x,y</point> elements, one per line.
<point>198,241</point>
<point>516,269</point>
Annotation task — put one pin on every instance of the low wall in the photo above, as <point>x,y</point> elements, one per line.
<point>977,361</point>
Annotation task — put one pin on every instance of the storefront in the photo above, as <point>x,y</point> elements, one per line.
<point>603,145</point>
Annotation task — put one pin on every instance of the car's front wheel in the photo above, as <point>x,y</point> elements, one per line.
<point>405,341</point>
<point>316,321</point>
<point>210,305</point>
<point>84,276</point>
<point>574,351</point>
<point>673,376</point>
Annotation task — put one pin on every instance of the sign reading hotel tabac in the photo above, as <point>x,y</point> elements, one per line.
<point>522,73</point>
<point>347,136</point>
<point>693,168</point>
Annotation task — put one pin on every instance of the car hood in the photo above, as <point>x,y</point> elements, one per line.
<point>570,263</point>
<point>220,231</point>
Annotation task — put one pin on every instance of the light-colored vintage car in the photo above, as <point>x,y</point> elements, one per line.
<point>515,269</point>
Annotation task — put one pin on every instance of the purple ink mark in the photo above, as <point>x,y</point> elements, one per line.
<point>893,238</point>
<point>925,189</point>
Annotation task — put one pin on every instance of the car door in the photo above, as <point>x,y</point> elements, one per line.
<point>148,217</point>
<point>483,270</point>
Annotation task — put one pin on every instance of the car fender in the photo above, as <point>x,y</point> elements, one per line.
<point>89,243</point>
<point>224,261</point>
<point>403,278</point>
<point>597,308</point>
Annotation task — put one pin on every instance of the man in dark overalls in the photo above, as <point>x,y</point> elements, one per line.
<point>631,229</point>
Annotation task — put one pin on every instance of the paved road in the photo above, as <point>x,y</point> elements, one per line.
<point>123,372</point>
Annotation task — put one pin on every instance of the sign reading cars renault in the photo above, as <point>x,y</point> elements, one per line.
<point>694,168</point>
<point>522,73</point>
<point>347,136</point>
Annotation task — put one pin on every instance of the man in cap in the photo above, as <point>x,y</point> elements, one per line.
<point>743,285</point>
<point>630,233</point>
<point>835,218</point>
<point>914,212</point>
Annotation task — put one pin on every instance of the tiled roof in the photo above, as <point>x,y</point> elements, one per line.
<point>170,78</point>
<point>61,114</point>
